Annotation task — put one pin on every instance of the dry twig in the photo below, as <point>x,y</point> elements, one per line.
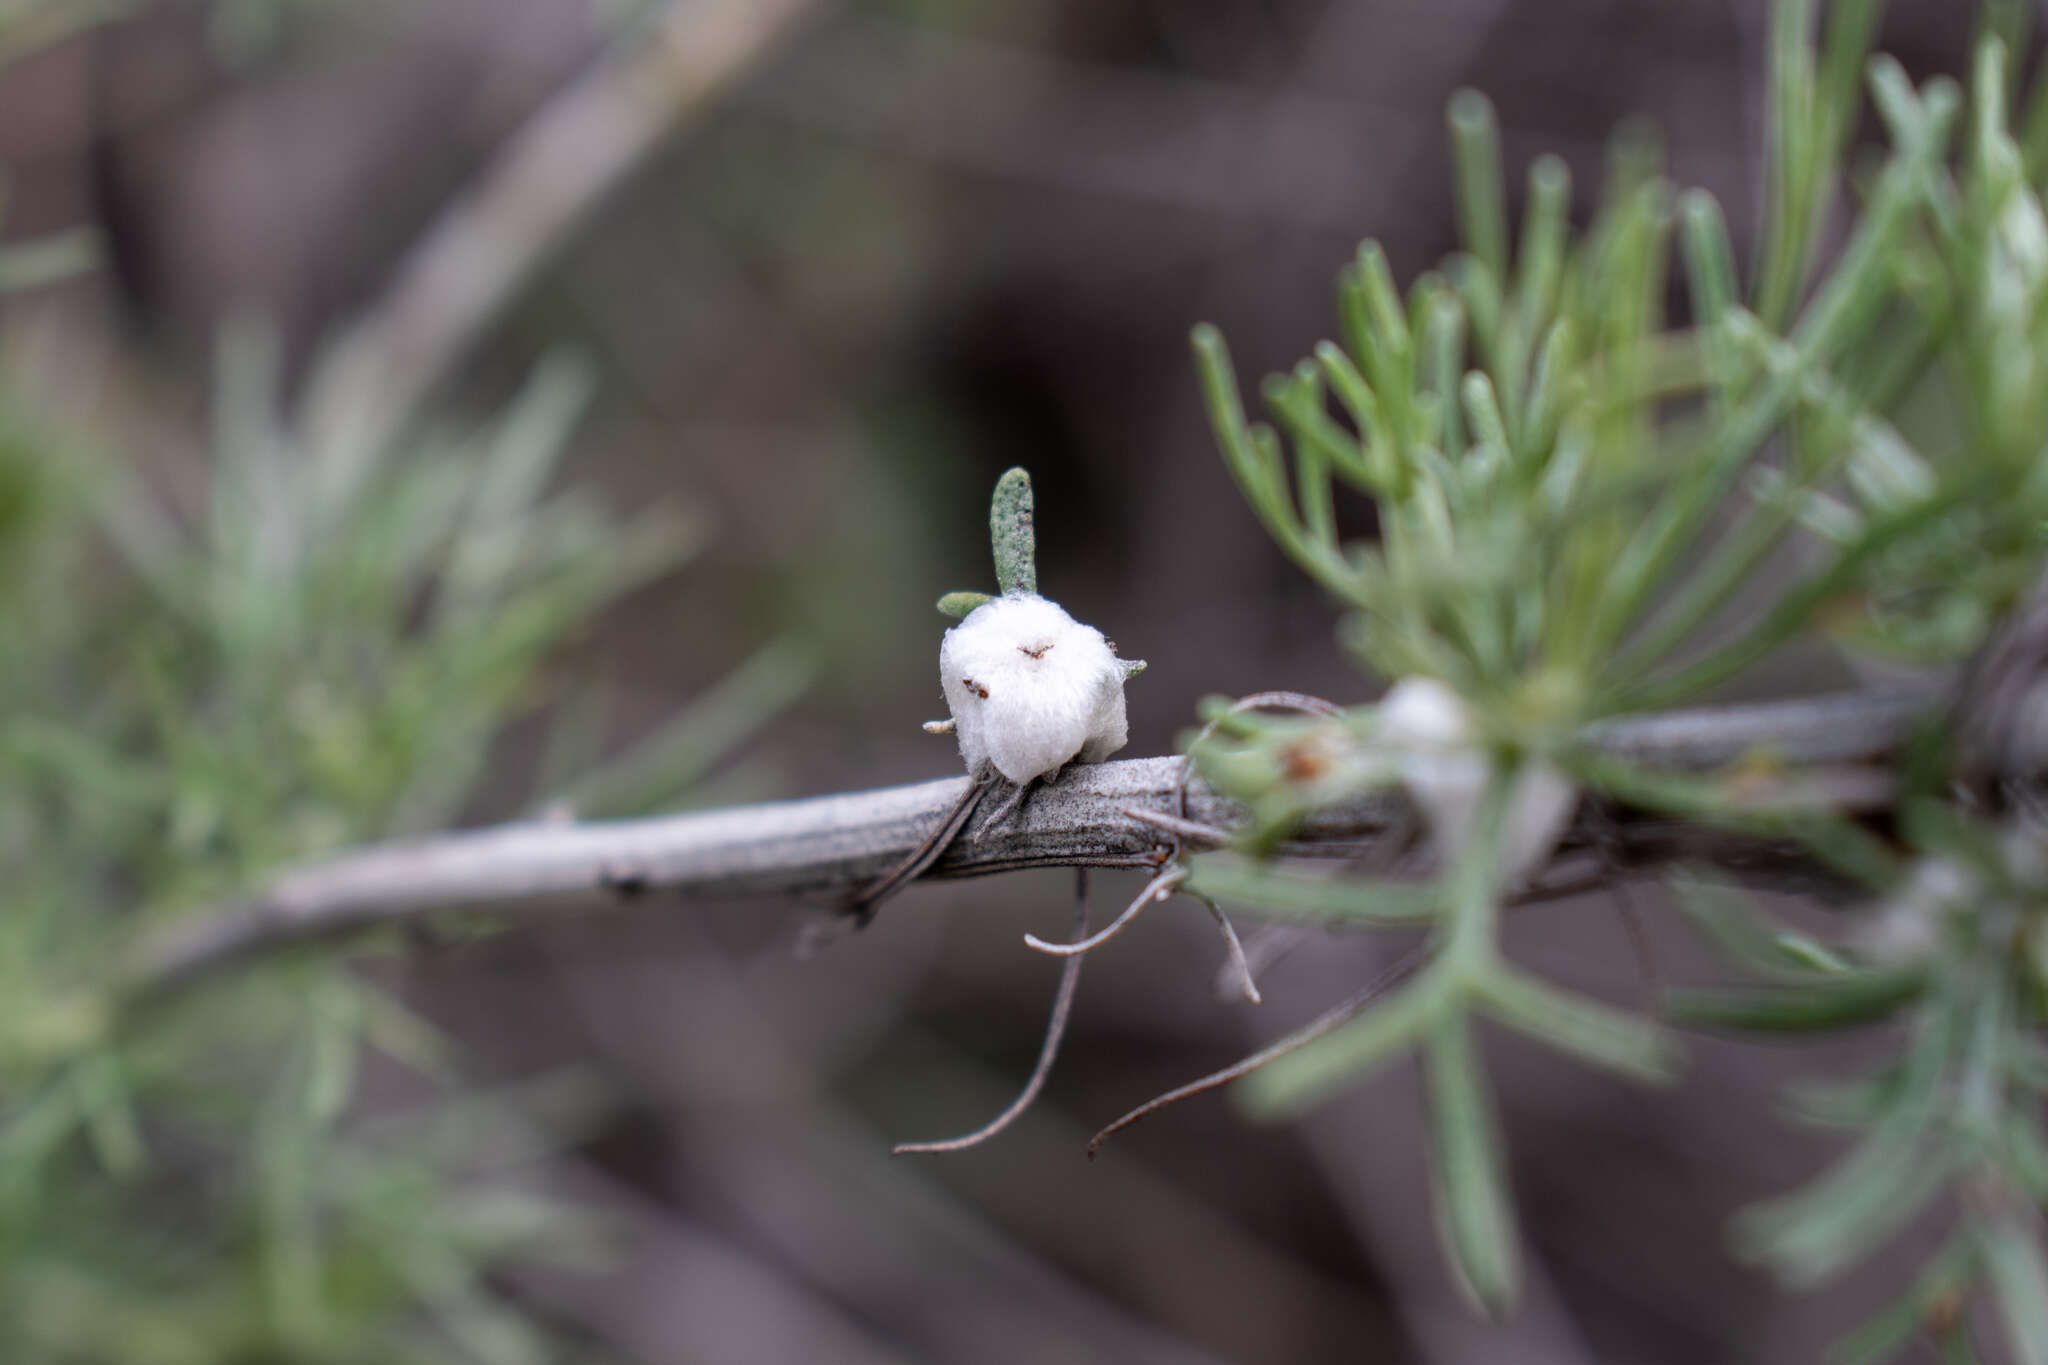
<point>832,844</point>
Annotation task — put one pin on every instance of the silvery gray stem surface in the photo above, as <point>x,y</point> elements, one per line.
<point>827,845</point>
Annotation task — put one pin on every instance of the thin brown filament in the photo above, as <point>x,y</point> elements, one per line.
<point>1265,946</point>
<point>1185,830</point>
<point>1239,963</point>
<point>1638,940</point>
<point>1055,1029</point>
<point>1402,968</point>
<point>1607,841</point>
<point>925,854</point>
<point>1158,889</point>
<point>1012,803</point>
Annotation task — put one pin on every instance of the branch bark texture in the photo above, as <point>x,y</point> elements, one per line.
<point>830,845</point>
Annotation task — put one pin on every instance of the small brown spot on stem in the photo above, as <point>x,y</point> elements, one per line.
<point>1305,761</point>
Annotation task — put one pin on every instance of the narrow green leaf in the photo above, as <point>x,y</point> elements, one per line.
<point>2019,1281</point>
<point>76,757</point>
<point>1254,456</point>
<point>2034,133</point>
<point>1958,1346</point>
<point>1233,435</point>
<point>1710,274</point>
<point>1291,1084</point>
<point>1239,881</point>
<point>2025,1152</point>
<point>1898,104</point>
<point>49,260</point>
<point>1831,1003</point>
<point>662,766</point>
<point>34,1131</point>
<point>1888,475</point>
<point>1845,53</point>
<point>1593,1032</point>
<point>1388,357</point>
<point>1848,301</point>
<point>1549,387</point>
<point>1383,301</point>
<point>1727,916</point>
<point>957,604</point>
<point>406,1038</point>
<point>1539,264</point>
<point>1479,293</point>
<point>331,1050</point>
<point>1813,1235</point>
<point>108,1109</point>
<point>1297,399</point>
<point>2011,23</point>
<point>1987,107</point>
<point>1444,355</point>
<point>1218,710</point>
<point>1789,207</point>
<point>523,449</point>
<point>1354,316</point>
<point>1796,608</point>
<point>1844,1104</point>
<point>1011,534</point>
<point>487,1329</point>
<point>1482,412</point>
<point>1380,466</point>
<point>2026,1064</point>
<point>1475,1207</point>
<point>1944,1279</point>
<point>1312,424</point>
<point>1475,152</point>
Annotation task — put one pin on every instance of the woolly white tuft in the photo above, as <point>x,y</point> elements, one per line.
<point>1431,734</point>
<point>1031,689</point>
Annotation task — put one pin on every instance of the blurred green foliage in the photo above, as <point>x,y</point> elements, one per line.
<point>319,648</point>
<point>1587,509</point>
<point>240,30</point>
<point>1583,507</point>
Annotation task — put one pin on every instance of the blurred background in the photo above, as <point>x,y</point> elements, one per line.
<point>819,302</point>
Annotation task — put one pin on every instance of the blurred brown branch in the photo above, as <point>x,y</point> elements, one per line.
<point>1823,749</point>
<point>575,150</point>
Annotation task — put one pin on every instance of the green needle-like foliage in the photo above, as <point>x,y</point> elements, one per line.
<point>1587,508</point>
<point>188,701</point>
<point>1956,1113</point>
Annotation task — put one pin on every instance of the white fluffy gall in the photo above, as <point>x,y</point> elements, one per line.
<point>1031,689</point>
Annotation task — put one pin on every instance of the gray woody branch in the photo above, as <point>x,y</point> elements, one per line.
<point>1832,749</point>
